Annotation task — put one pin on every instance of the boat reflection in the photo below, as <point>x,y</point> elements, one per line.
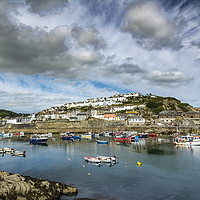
<point>159,146</point>
<point>16,155</point>
<point>102,164</point>
<point>39,144</point>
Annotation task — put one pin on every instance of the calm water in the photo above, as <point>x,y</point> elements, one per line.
<point>166,172</point>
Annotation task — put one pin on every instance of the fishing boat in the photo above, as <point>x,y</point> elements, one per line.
<point>100,159</point>
<point>101,142</point>
<point>122,138</point>
<point>77,137</point>
<point>7,150</point>
<point>18,153</point>
<point>38,139</point>
<point>107,159</point>
<point>86,136</point>
<point>189,140</point>
<point>152,135</point>
<point>92,159</point>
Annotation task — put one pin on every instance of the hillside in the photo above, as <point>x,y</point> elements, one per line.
<point>10,114</point>
<point>157,104</point>
<point>146,105</point>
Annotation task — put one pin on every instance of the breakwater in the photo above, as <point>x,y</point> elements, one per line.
<point>93,125</point>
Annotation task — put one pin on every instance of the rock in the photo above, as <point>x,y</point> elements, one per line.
<point>17,187</point>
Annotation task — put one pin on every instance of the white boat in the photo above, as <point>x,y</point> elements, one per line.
<point>92,159</point>
<point>189,140</point>
<point>86,136</point>
<point>7,150</point>
<point>18,153</point>
<point>107,158</point>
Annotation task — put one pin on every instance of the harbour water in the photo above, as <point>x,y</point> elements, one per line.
<point>166,172</point>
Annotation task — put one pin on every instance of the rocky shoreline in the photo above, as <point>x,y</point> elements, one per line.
<point>18,187</point>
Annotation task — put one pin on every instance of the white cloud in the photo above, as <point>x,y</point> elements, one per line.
<point>146,22</point>
<point>80,50</point>
<point>168,78</point>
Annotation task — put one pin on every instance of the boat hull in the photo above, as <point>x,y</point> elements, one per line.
<point>38,140</point>
<point>187,143</point>
<point>101,142</point>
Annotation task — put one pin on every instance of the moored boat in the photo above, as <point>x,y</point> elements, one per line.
<point>122,138</point>
<point>107,158</point>
<point>152,135</point>
<point>92,159</point>
<point>18,153</point>
<point>101,159</point>
<point>38,139</point>
<point>102,142</point>
<point>86,136</point>
<point>188,140</point>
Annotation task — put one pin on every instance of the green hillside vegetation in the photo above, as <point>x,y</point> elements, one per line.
<point>7,113</point>
<point>158,104</point>
<point>152,106</point>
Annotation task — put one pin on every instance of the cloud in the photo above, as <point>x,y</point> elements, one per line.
<point>62,51</point>
<point>44,6</point>
<point>28,94</point>
<point>151,28</point>
<point>125,68</point>
<point>169,78</point>
<point>88,38</point>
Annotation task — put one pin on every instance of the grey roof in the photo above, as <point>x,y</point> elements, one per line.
<point>167,111</point>
<point>191,112</point>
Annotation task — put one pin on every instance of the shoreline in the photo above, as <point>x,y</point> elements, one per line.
<point>18,187</point>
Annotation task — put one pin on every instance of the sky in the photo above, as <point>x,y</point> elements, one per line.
<point>58,51</point>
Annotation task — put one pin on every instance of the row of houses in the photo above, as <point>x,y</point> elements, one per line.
<point>131,117</point>
<point>169,116</point>
<point>98,102</point>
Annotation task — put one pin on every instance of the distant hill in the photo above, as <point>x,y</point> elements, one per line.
<point>8,113</point>
<point>157,104</point>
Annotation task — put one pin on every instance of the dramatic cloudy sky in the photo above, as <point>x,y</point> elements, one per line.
<point>58,51</point>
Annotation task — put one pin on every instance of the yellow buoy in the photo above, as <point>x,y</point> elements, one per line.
<point>139,164</point>
<point>125,166</point>
<point>69,159</point>
<point>83,165</point>
<point>11,165</point>
<point>88,174</point>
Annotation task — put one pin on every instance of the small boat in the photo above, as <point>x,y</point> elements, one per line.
<point>7,150</point>
<point>38,139</point>
<point>86,136</point>
<point>122,138</point>
<point>18,153</point>
<point>101,142</point>
<point>92,159</point>
<point>107,158</point>
<point>101,159</point>
<point>189,140</point>
<point>77,137</point>
<point>152,135</point>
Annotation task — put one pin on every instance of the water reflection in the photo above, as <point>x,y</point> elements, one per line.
<point>159,146</point>
<point>102,164</point>
<point>39,144</point>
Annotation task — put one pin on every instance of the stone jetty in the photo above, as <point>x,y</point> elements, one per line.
<point>17,187</point>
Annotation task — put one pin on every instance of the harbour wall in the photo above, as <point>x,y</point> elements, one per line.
<point>93,125</point>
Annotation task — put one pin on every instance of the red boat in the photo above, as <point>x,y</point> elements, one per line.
<point>122,138</point>
<point>152,135</point>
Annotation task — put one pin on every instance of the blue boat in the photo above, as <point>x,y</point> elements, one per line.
<point>77,137</point>
<point>101,142</point>
<point>38,139</point>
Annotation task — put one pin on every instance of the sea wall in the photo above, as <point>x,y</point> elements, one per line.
<point>93,125</point>
<point>17,187</point>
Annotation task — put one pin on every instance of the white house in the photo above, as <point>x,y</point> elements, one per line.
<point>136,121</point>
<point>11,121</point>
